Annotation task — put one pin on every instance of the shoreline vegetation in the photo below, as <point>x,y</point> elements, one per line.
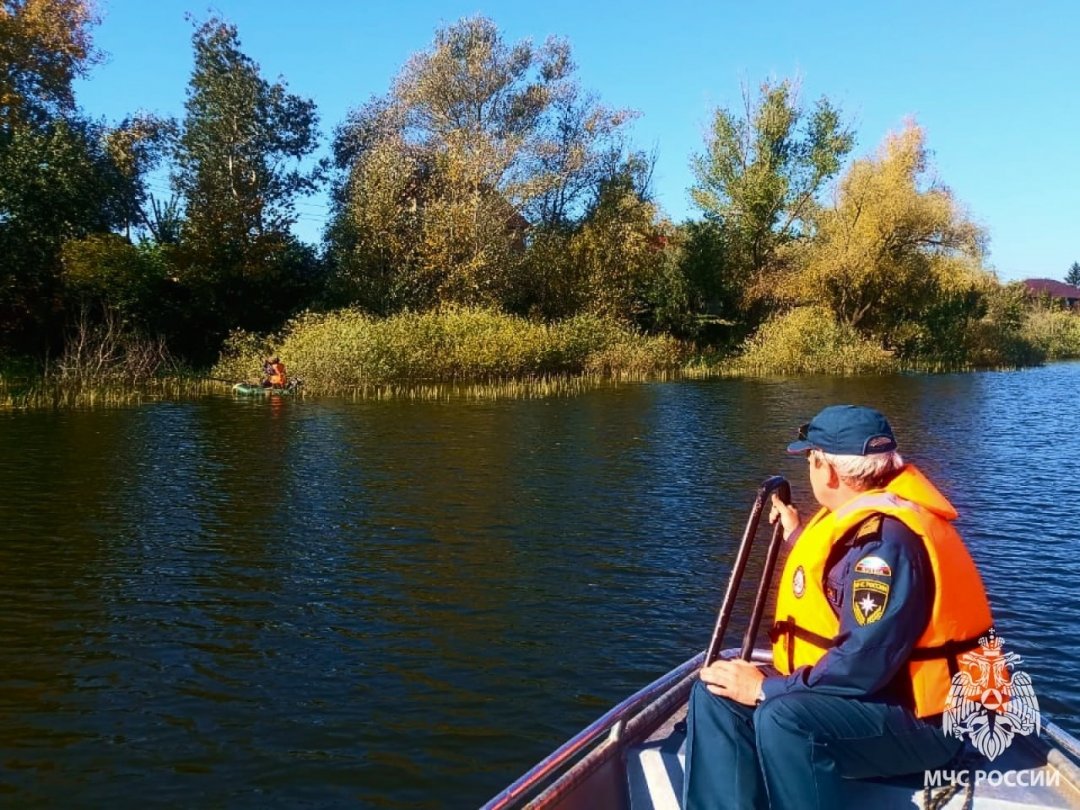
<point>482,354</point>
<point>491,231</point>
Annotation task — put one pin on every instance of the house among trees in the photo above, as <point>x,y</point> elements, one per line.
<point>1068,295</point>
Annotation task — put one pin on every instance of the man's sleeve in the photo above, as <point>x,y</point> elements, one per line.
<point>887,592</point>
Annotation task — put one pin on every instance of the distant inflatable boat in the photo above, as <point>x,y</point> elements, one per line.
<point>251,390</point>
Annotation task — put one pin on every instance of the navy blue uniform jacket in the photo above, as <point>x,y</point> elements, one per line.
<point>869,659</point>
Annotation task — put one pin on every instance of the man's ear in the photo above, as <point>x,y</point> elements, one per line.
<point>834,478</point>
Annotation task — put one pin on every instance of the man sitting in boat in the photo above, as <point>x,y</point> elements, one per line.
<point>274,373</point>
<point>879,597</point>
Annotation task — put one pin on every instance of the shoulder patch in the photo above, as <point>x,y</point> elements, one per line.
<point>873,565</point>
<point>869,527</point>
<point>868,600</point>
<point>798,582</point>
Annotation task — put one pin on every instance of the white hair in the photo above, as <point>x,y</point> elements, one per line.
<point>864,472</point>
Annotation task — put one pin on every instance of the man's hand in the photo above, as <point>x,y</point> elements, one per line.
<point>737,680</point>
<point>787,514</point>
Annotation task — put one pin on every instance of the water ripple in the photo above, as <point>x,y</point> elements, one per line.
<point>406,604</point>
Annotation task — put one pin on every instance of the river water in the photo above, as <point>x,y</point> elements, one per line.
<point>404,604</point>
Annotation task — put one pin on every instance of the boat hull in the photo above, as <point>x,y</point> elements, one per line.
<point>249,390</point>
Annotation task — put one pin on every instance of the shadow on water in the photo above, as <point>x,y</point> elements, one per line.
<point>405,604</point>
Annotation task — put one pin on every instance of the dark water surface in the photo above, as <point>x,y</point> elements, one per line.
<point>329,603</point>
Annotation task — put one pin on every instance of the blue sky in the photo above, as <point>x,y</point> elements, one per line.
<point>996,85</point>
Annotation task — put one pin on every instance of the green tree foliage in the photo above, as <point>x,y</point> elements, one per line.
<point>712,294</point>
<point>1008,334</point>
<point>57,177</point>
<point>1073,276</point>
<point>136,146</point>
<point>480,147</point>
<point>58,183</point>
<point>895,256</point>
<point>239,169</point>
<point>757,183</point>
<point>105,275</point>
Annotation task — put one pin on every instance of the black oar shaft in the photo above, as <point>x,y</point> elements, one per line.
<point>783,492</point>
<point>737,571</point>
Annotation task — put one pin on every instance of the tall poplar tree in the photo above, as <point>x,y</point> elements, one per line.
<point>240,167</point>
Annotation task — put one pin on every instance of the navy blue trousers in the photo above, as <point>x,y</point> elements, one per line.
<point>795,750</point>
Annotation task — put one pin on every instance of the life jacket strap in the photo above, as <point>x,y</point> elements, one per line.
<point>788,627</point>
<point>950,651</point>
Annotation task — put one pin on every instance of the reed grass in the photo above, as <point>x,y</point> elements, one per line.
<point>53,394</point>
<point>348,351</point>
<point>536,388</point>
<point>482,355</point>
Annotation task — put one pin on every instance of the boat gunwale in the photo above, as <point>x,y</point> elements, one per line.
<point>624,712</point>
<point>592,733</point>
<point>626,721</point>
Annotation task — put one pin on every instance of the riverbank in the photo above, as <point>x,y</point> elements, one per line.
<point>483,354</point>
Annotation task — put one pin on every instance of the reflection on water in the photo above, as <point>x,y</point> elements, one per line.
<point>406,604</point>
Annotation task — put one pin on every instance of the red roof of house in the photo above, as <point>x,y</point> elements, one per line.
<point>1055,289</point>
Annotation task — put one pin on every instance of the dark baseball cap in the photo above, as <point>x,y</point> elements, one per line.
<point>846,430</point>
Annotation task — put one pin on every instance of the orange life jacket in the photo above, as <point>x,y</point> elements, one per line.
<point>277,374</point>
<point>806,624</point>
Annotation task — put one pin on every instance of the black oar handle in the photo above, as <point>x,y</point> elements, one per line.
<point>783,492</point>
<point>776,484</point>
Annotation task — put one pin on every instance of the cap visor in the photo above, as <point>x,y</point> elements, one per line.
<point>800,446</point>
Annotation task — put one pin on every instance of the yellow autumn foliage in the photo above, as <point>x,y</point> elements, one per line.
<point>348,349</point>
<point>892,244</point>
<point>810,340</point>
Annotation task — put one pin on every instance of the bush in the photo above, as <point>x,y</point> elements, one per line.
<point>106,352</point>
<point>349,349</point>
<point>1055,332</point>
<point>809,340</point>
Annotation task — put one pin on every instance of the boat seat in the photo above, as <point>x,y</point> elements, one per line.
<point>656,767</point>
<point>655,772</point>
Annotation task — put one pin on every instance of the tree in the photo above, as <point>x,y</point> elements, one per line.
<point>895,256</point>
<point>136,146</point>
<point>106,276</point>
<point>44,46</point>
<point>480,147</point>
<point>620,252</point>
<point>760,175</point>
<point>579,145</point>
<point>58,183</point>
<point>239,171</point>
<point>1073,276</point>
<point>56,179</point>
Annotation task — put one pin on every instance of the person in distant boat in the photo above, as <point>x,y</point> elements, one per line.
<point>274,375</point>
<point>878,599</point>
